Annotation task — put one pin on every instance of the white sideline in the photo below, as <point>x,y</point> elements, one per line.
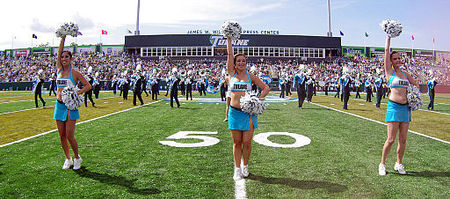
<point>76,124</point>
<point>379,122</point>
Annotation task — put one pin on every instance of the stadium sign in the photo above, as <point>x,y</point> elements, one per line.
<point>217,32</point>
<point>218,40</point>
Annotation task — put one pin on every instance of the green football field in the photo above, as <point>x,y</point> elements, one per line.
<point>155,151</point>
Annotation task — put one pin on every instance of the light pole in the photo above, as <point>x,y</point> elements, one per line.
<point>329,34</point>
<point>137,20</point>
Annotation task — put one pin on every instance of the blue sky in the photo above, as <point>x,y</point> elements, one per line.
<point>425,19</point>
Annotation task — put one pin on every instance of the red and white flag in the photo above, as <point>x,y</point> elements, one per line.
<point>434,41</point>
<point>104,32</point>
<point>412,37</point>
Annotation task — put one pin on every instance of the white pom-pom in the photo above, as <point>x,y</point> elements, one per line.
<point>67,29</point>
<point>251,104</point>
<point>391,27</point>
<point>231,29</point>
<point>414,100</point>
<point>70,98</point>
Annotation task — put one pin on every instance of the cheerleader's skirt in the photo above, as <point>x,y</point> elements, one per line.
<point>61,112</point>
<point>397,112</point>
<point>240,120</point>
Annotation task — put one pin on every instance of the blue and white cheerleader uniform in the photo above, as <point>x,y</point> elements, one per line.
<point>61,110</point>
<point>238,119</point>
<point>397,112</point>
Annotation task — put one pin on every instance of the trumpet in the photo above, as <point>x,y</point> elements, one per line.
<point>183,73</point>
<point>202,73</point>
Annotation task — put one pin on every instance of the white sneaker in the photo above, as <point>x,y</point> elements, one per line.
<point>400,168</point>
<point>245,171</point>
<point>382,169</point>
<point>77,163</point>
<point>237,174</point>
<point>67,164</point>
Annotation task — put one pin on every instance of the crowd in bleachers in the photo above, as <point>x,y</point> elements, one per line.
<point>107,67</point>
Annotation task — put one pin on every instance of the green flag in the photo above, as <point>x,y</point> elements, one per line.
<point>367,34</point>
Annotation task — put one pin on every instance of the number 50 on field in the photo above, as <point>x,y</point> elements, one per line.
<point>261,138</point>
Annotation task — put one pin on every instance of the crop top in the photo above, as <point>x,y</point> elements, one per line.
<point>236,86</point>
<point>395,81</point>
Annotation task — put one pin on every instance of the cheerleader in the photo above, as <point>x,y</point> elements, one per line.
<point>398,113</point>
<point>38,81</point>
<point>240,123</point>
<point>300,86</point>
<point>430,85</point>
<point>66,119</point>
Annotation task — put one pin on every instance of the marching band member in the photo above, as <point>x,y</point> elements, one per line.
<point>430,85</point>
<point>398,113</point>
<point>38,81</point>
<point>379,90</point>
<point>188,83</point>
<point>368,88</point>
<point>202,83</point>
<point>309,88</point>
<point>88,93</point>
<point>66,119</point>
<point>288,85</point>
<point>240,123</point>
<point>282,85</point>
<point>154,84</point>
<point>357,88</point>
<point>300,85</point>
<point>337,86</point>
<point>52,85</point>
<point>174,82</point>
<point>125,87</point>
<point>96,85</point>
<point>346,82</point>
<point>223,88</point>
<point>114,84</point>
<point>144,84</point>
<point>137,88</point>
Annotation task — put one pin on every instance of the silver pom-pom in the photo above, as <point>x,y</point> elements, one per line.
<point>231,29</point>
<point>67,29</point>
<point>414,100</point>
<point>70,98</point>
<point>251,104</point>
<point>391,27</point>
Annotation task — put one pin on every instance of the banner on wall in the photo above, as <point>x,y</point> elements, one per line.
<point>85,49</point>
<point>55,50</point>
<point>112,49</point>
<point>21,53</point>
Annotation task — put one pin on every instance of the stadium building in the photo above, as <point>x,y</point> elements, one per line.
<point>255,46</point>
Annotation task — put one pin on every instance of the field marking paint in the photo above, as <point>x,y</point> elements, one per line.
<point>419,109</point>
<point>47,106</point>
<point>239,189</point>
<point>300,140</point>
<point>27,138</point>
<point>379,122</point>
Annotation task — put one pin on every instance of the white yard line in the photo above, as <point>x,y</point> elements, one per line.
<point>239,189</point>
<point>379,122</point>
<point>76,124</point>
